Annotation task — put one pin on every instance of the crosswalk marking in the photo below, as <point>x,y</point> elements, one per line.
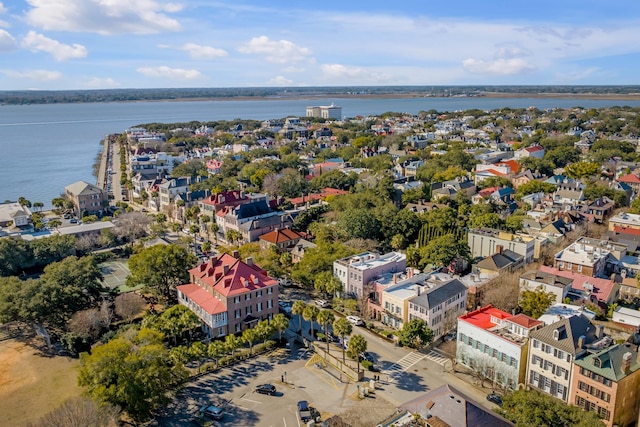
<point>405,363</point>
<point>436,356</point>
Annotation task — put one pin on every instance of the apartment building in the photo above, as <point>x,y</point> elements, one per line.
<point>554,351</point>
<point>590,257</point>
<point>496,343</point>
<point>358,270</point>
<point>485,242</point>
<point>229,295</point>
<point>325,111</point>
<point>608,382</point>
<point>86,198</point>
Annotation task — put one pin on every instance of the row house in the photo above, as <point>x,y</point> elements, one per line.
<point>549,283</point>
<point>229,295</point>
<point>587,288</point>
<point>608,382</point>
<point>496,343</point>
<point>599,209</point>
<point>356,271</point>
<point>554,351</point>
<point>170,189</point>
<point>451,189</point>
<point>624,221</point>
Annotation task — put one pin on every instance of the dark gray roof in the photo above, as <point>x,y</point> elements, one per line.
<point>499,261</point>
<point>248,210</point>
<point>439,294</point>
<point>548,278</point>
<point>569,332</point>
<point>454,408</point>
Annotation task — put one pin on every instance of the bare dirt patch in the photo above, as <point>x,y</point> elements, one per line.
<point>31,383</point>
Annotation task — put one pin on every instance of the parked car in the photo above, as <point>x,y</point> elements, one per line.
<point>73,221</point>
<point>495,398</point>
<point>451,336</point>
<point>365,355</point>
<point>355,320</point>
<point>269,389</point>
<point>322,303</point>
<point>212,411</point>
<point>304,412</point>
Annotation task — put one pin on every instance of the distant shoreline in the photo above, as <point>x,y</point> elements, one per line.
<point>608,97</point>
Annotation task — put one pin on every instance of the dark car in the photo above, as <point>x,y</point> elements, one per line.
<point>365,355</point>
<point>304,412</point>
<point>269,389</point>
<point>495,398</point>
<point>211,411</point>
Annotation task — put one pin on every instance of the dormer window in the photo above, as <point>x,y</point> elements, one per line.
<point>597,362</point>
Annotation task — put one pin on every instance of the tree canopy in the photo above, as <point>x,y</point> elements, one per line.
<point>415,333</point>
<point>535,303</point>
<point>132,371</point>
<point>530,408</point>
<point>160,268</point>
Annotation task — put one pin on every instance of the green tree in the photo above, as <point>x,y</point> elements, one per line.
<point>15,254</point>
<point>530,408</point>
<point>535,303</point>
<point>359,223</point>
<point>327,283</point>
<point>264,329</point>
<point>415,333</point>
<point>342,328</point>
<point>133,371</point>
<point>582,169</point>
<point>232,343</point>
<point>250,336</point>
<point>534,187</point>
<point>310,314</point>
<point>298,309</point>
<point>160,268</point>
<point>439,252</point>
<point>280,323</point>
<point>357,344</point>
<point>325,317</point>
<point>216,350</point>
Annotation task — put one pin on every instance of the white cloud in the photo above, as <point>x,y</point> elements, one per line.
<point>292,69</point>
<point>170,73</point>
<point>198,51</point>
<point>280,81</point>
<point>341,72</point>
<point>60,51</point>
<point>101,83</point>
<point>39,75</point>
<point>7,42</point>
<point>278,52</point>
<point>103,16</point>
<point>3,9</point>
<point>499,66</point>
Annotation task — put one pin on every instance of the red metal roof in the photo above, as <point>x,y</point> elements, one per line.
<point>602,288</point>
<point>481,318</point>
<point>525,321</point>
<point>629,178</point>
<point>202,298</point>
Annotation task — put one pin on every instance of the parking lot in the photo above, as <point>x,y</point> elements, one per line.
<point>233,389</point>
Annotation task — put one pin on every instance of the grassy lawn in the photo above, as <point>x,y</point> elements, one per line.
<point>32,384</point>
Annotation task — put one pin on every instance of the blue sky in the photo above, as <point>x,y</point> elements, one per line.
<point>99,44</point>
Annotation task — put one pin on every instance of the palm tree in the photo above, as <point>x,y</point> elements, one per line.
<point>342,328</point>
<point>357,344</point>
<point>280,323</point>
<point>54,223</point>
<point>310,314</point>
<point>298,308</point>
<point>249,336</point>
<point>38,206</point>
<point>324,318</point>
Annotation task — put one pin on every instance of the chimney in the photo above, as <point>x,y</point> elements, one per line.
<point>249,260</point>
<point>499,249</point>
<point>395,278</point>
<point>600,331</point>
<point>581,341</point>
<point>236,254</point>
<point>225,269</point>
<point>410,272</point>
<point>418,288</point>
<point>626,362</point>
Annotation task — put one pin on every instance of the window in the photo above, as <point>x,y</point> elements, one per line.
<point>259,307</point>
<point>236,300</point>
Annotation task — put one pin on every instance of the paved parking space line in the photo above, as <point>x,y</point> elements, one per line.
<point>249,400</point>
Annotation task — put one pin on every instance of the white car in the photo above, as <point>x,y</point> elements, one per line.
<point>322,303</point>
<point>355,320</point>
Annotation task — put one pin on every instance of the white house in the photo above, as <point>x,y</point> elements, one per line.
<point>495,343</point>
